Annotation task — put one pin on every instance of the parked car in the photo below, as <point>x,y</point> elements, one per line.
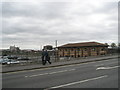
<point>13,61</point>
<point>8,61</point>
<point>3,61</point>
<point>4,57</point>
<point>23,58</point>
<point>12,57</point>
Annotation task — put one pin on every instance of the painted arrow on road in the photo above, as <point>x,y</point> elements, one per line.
<point>103,68</point>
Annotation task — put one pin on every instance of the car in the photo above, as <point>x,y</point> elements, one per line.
<point>8,61</point>
<point>11,61</point>
<point>3,61</point>
<point>23,58</point>
<point>12,57</point>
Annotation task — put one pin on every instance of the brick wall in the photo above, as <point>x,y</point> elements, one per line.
<point>82,52</point>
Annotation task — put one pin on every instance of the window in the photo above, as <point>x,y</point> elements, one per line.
<point>78,49</point>
<point>85,49</point>
<point>72,49</point>
<point>102,49</point>
<point>65,49</point>
<point>93,49</point>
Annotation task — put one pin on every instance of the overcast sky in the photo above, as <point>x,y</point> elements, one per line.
<point>31,25</point>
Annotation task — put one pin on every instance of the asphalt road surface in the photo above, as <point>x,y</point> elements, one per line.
<point>100,74</point>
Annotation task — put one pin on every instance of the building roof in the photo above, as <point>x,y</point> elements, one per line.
<point>85,44</point>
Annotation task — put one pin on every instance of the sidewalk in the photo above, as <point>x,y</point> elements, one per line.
<point>15,68</point>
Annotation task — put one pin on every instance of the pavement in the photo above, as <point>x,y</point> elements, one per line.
<point>14,68</point>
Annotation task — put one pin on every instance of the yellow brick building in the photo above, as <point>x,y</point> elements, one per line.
<point>82,49</point>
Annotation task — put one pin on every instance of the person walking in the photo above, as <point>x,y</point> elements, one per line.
<point>45,57</point>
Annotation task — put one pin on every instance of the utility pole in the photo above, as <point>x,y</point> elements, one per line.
<point>55,50</point>
<point>56,43</point>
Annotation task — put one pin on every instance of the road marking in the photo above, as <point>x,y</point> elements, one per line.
<point>58,72</point>
<point>54,67</point>
<point>99,65</point>
<point>51,73</point>
<point>71,69</point>
<point>37,75</point>
<point>47,68</point>
<point>103,68</point>
<point>78,82</point>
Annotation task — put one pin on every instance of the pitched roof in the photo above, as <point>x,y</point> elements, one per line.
<point>85,44</point>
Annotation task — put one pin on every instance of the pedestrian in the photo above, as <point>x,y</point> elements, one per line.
<point>45,57</point>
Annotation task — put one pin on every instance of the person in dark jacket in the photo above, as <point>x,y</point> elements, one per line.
<point>45,57</point>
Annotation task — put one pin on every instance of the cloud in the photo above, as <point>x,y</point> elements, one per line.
<point>30,25</point>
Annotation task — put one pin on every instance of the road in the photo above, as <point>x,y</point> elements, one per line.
<point>100,74</point>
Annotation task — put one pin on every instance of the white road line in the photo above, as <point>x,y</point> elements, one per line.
<point>58,72</point>
<point>51,73</point>
<point>103,68</point>
<point>71,69</point>
<point>99,65</point>
<point>78,82</point>
<point>48,68</point>
<point>37,75</point>
<point>55,67</point>
<point>108,63</point>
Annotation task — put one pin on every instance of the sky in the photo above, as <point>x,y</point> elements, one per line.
<point>32,24</point>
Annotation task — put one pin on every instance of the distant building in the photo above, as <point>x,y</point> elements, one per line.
<point>48,47</point>
<point>14,49</point>
<point>82,49</point>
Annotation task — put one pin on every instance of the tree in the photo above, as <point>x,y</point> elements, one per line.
<point>113,45</point>
<point>106,44</point>
<point>119,45</point>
